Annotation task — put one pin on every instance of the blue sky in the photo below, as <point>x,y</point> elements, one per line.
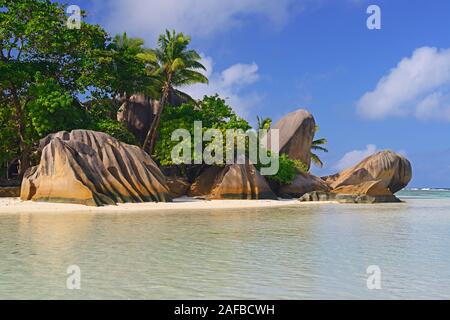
<point>368,89</point>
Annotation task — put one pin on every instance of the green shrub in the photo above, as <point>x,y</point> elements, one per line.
<point>53,109</point>
<point>212,111</point>
<point>288,170</point>
<point>115,129</point>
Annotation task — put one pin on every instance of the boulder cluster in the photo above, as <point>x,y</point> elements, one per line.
<point>92,168</point>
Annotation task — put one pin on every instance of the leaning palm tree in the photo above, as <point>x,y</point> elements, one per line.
<point>176,66</point>
<point>318,145</point>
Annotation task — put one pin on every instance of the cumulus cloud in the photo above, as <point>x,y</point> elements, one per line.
<point>230,84</point>
<point>354,157</point>
<point>196,17</point>
<point>418,86</point>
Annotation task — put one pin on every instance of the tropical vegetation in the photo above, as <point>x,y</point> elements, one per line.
<point>55,78</point>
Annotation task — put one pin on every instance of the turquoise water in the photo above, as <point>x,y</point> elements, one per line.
<point>303,252</point>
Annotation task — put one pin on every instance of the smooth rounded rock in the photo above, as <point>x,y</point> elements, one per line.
<point>92,168</point>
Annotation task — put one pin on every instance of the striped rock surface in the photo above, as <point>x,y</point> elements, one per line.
<point>92,168</point>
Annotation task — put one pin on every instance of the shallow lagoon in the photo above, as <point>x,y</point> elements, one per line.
<point>302,252</point>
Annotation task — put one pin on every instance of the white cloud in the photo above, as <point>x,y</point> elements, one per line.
<point>147,18</point>
<point>354,157</point>
<point>229,84</point>
<point>419,86</point>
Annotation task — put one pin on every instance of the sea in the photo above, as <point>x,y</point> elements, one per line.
<point>305,251</point>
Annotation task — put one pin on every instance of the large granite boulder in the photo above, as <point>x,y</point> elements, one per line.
<point>92,168</point>
<point>205,182</point>
<point>137,113</point>
<point>237,181</point>
<point>374,180</point>
<point>304,183</point>
<point>178,186</point>
<point>296,131</point>
<point>384,172</point>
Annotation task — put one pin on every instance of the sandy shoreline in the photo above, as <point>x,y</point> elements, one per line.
<point>15,205</point>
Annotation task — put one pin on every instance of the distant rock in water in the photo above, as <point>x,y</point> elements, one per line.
<point>237,181</point>
<point>346,198</point>
<point>296,131</point>
<point>92,168</point>
<point>375,179</point>
<point>304,183</point>
<point>391,170</point>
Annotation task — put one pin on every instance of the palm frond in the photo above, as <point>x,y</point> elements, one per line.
<point>316,160</point>
<point>319,148</point>
<point>188,77</point>
<point>320,142</point>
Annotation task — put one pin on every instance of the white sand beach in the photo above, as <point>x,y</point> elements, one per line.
<point>15,205</point>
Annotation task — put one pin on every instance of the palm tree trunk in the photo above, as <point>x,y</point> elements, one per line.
<point>150,139</point>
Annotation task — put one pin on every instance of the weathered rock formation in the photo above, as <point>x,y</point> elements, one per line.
<point>296,132</point>
<point>237,181</point>
<point>375,179</point>
<point>392,171</point>
<point>304,183</point>
<point>138,112</point>
<point>346,198</point>
<point>178,186</point>
<point>92,168</point>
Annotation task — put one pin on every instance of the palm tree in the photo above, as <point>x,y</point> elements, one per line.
<point>264,124</point>
<point>318,145</point>
<point>176,66</point>
<point>125,78</point>
<point>122,41</point>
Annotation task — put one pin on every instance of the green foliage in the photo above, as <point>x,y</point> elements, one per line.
<point>115,129</point>
<point>212,111</point>
<point>288,169</point>
<point>9,144</point>
<point>53,109</point>
<point>124,66</point>
<point>44,66</point>
<point>174,65</point>
<point>318,145</point>
<point>264,124</point>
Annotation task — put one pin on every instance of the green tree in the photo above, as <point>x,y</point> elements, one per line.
<point>130,61</point>
<point>176,66</point>
<point>36,47</point>
<point>115,129</point>
<point>212,111</point>
<point>53,109</point>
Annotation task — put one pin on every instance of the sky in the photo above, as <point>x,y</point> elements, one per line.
<point>368,90</point>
